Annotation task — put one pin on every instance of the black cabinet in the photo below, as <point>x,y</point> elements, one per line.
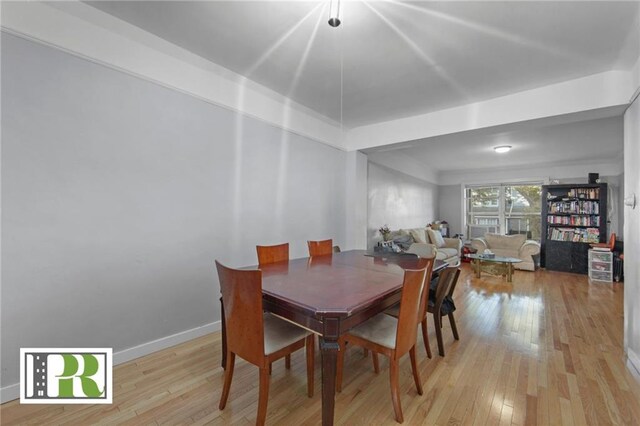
<point>573,217</point>
<point>566,256</point>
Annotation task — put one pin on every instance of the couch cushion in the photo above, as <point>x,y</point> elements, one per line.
<point>436,238</point>
<point>507,242</point>
<point>422,250</point>
<point>419,235</point>
<point>505,252</point>
<point>449,252</point>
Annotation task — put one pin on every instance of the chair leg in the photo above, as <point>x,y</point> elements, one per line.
<point>270,368</point>
<point>452,321</point>
<point>437,319</point>
<point>309,349</point>
<point>264,396</point>
<point>425,337</point>
<point>395,390</point>
<point>376,363</point>
<point>365,352</point>
<point>287,362</point>
<point>340,364</point>
<point>228,376</point>
<point>414,368</point>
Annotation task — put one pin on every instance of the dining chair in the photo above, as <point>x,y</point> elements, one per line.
<point>320,248</point>
<point>254,336</point>
<point>273,254</point>
<point>441,303</point>
<point>394,311</point>
<point>390,336</point>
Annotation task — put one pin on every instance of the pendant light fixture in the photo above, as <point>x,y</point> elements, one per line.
<point>334,13</point>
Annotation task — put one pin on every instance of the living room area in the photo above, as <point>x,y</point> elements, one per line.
<point>472,190</point>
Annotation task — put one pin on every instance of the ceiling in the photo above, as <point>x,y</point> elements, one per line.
<point>396,59</point>
<point>390,60</point>
<point>542,142</point>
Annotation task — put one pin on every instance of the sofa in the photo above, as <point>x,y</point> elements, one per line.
<point>423,240</point>
<point>510,246</point>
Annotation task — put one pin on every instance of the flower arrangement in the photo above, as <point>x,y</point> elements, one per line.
<point>385,231</point>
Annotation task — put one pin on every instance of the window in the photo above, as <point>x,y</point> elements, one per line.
<point>503,209</point>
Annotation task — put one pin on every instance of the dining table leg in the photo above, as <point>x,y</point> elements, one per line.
<point>329,351</point>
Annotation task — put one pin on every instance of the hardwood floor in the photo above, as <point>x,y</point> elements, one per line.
<point>546,350</point>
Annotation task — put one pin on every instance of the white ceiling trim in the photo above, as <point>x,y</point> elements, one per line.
<point>97,36</point>
<point>546,172</point>
<point>408,165</point>
<point>612,88</point>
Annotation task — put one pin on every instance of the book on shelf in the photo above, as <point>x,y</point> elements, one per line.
<point>598,248</point>
<point>581,235</point>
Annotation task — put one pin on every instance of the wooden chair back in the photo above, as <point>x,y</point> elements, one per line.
<point>242,297</point>
<point>410,301</point>
<point>424,296</point>
<point>320,248</point>
<point>446,284</point>
<point>272,254</point>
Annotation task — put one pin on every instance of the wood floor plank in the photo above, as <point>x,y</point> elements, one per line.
<point>546,349</point>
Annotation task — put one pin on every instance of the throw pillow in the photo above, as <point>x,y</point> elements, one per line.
<point>436,238</point>
<point>418,235</point>
<point>403,241</point>
<point>509,242</point>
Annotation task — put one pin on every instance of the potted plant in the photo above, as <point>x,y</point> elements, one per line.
<point>385,232</point>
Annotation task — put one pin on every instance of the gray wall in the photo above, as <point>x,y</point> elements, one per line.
<point>631,233</point>
<point>118,194</point>
<point>398,200</point>
<point>450,207</point>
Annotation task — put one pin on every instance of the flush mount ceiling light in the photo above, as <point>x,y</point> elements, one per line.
<point>502,148</point>
<point>334,13</point>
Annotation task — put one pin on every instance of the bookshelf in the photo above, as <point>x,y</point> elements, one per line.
<point>573,216</point>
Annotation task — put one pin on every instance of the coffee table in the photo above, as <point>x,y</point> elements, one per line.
<point>496,265</point>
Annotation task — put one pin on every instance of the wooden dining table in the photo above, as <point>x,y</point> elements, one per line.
<point>329,295</point>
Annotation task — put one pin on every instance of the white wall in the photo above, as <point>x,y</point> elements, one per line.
<point>450,208</point>
<point>398,200</point>
<point>632,235</point>
<point>118,194</point>
<point>356,201</point>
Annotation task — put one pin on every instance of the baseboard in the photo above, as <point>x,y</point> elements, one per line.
<point>11,392</point>
<point>633,363</point>
<point>164,342</point>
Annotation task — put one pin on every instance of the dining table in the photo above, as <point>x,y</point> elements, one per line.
<point>330,295</point>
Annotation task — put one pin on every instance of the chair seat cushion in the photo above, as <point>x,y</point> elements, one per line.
<point>380,329</point>
<point>279,333</point>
